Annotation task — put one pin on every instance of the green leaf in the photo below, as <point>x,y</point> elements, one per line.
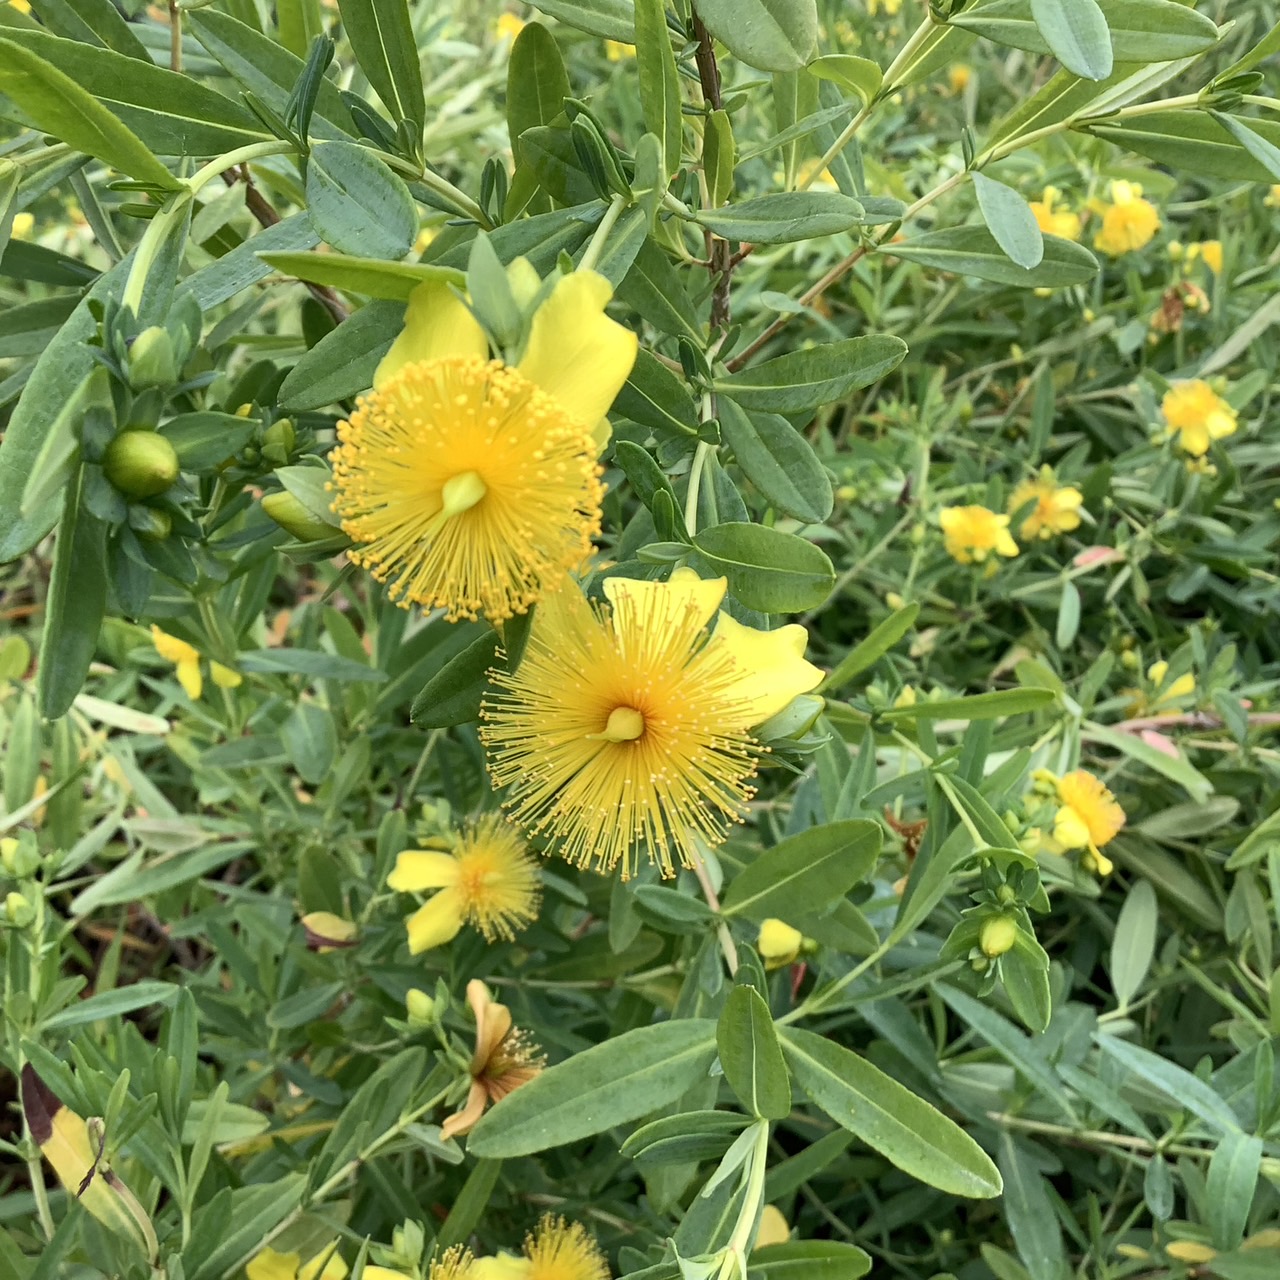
<point>767,569</point>
<point>1025,974</point>
<point>659,80</point>
<point>888,1117</point>
<point>1029,1210</point>
<point>308,662</point>
<point>778,460</point>
<point>808,1260</point>
<point>58,105</point>
<point>1230,1187</point>
<point>657,291</point>
<point>1265,152</point>
<point>770,35</point>
<point>803,380</point>
<point>109,1004</point>
<point>204,440</point>
<point>1190,141</point>
<point>469,1204</point>
<point>805,872</point>
<point>1176,767</point>
<point>608,19</point>
<point>612,1083</point>
<point>751,1057</point>
<point>386,48</point>
<point>1141,30</point>
<point>537,83</point>
<point>1257,844</point>
<point>1077,35</point>
<point>372,276</point>
<point>549,151</point>
<point>690,1136</point>
<point>974,251</point>
<point>1171,878</point>
<point>453,695</point>
<point>343,362</point>
<point>1010,221</point>
<point>171,114</point>
<point>357,204</point>
<point>647,478</point>
<point>247,1215</point>
<point>310,740</point>
<point>783,217</point>
<point>869,650</point>
<point>857,75</point>
<point>1133,945</point>
<point>982,706</point>
<point>225,277</point>
<point>76,605</point>
<point>719,156</point>
<point>1180,1088</point>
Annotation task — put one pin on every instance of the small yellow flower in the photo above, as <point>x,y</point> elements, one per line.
<point>773,1227</point>
<point>958,77</point>
<point>1056,510</point>
<point>627,725</point>
<point>470,484</point>
<point>488,881</point>
<point>617,51</point>
<point>455,1263</point>
<point>972,533</point>
<point>1128,222</point>
<point>1088,817</point>
<point>1197,415</point>
<point>1190,1251</point>
<point>890,8</point>
<point>508,26</point>
<point>1055,222</point>
<point>555,1250</point>
<point>505,1058</point>
<point>186,658</point>
<point>1272,198</point>
<point>23,223</point>
<point>778,944</point>
<point>1211,255</point>
<point>1184,685</point>
<point>267,1264</point>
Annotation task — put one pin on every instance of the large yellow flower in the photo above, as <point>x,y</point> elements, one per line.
<point>1197,415</point>
<point>1088,817</point>
<point>1055,222</point>
<point>487,880</point>
<point>972,533</point>
<point>267,1264</point>
<point>627,727</point>
<point>555,1250</point>
<point>470,484</point>
<point>1128,221</point>
<point>1056,510</point>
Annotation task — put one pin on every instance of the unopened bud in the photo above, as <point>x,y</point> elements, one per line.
<point>141,464</point>
<point>18,911</point>
<point>150,524</point>
<point>998,935</point>
<point>295,518</point>
<point>278,441</point>
<point>151,360</point>
<point>421,1008</point>
<point>779,944</point>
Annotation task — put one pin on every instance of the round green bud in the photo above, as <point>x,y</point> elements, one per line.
<point>998,935</point>
<point>141,464</point>
<point>296,518</point>
<point>151,359</point>
<point>18,910</point>
<point>278,441</point>
<point>150,523</point>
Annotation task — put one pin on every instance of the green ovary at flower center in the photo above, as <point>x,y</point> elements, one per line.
<point>625,724</point>
<point>460,493</point>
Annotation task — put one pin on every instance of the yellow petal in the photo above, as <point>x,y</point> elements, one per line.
<point>684,591</point>
<point>225,677</point>
<point>465,1120</point>
<point>575,352</point>
<point>189,677</point>
<point>326,1265</point>
<point>170,648</point>
<point>436,325</point>
<point>417,871</point>
<point>436,923</point>
<point>773,1227</point>
<point>778,944</point>
<point>771,664</point>
<point>270,1265</point>
<point>505,1266</point>
<point>1070,830</point>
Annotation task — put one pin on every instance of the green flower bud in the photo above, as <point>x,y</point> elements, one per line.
<point>296,518</point>
<point>18,857</point>
<point>278,441</point>
<point>150,524</point>
<point>421,1008</point>
<point>141,464</point>
<point>18,911</point>
<point>998,936</point>
<point>151,359</point>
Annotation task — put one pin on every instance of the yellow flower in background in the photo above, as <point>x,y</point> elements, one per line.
<point>778,944</point>
<point>617,51</point>
<point>508,26</point>
<point>555,1250</point>
<point>326,932</point>
<point>1055,222</point>
<point>958,77</point>
<point>472,485</point>
<point>972,533</point>
<point>1128,222</point>
<point>186,658</point>
<point>267,1264</point>
<point>627,725</point>
<point>1272,198</point>
<point>1197,415</point>
<point>504,1059</point>
<point>774,1228</point>
<point>1088,817</point>
<point>890,8</point>
<point>487,881</point>
<point>1211,255</point>
<point>1056,510</point>
<point>23,223</point>
<point>1184,685</point>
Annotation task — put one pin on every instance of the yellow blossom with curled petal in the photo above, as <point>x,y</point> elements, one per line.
<point>472,485</point>
<point>778,944</point>
<point>1197,415</point>
<point>972,533</point>
<point>626,728</point>
<point>1056,509</point>
<point>1128,221</point>
<point>1055,222</point>
<point>1088,817</point>
<point>184,656</point>
<point>488,880</point>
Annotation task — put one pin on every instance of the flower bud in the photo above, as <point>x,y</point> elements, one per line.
<point>278,441</point>
<point>18,911</point>
<point>141,464</point>
<point>421,1008</point>
<point>19,857</point>
<point>295,518</point>
<point>151,359</point>
<point>150,523</point>
<point>998,936</point>
<point>779,944</point>
<point>8,854</point>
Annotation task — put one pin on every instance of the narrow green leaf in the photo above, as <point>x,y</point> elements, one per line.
<point>454,694</point>
<point>382,39</point>
<point>767,569</point>
<point>982,706</point>
<point>751,1056</point>
<point>858,75</point>
<point>1230,1187</point>
<point>803,380</point>
<point>1190,142</point>
<point>1077,34</point>
<point>1174,767</point>
<point>342,363</point>
<point>1265,152</point>
<point>659,79</point>
<point>808,1260</point>
<point>1029,1211</point>
<point>770,35</point>
<point>974,251</point>
<point>783,217</point>
<point>372,276</point>
<point>1010,221</point>
<point>109,1004</point>
<point>469,1204</point>
<point>871,648</point>
<point>1180,1089</point>
<point>1133,944</point>
<point>608,19</point>
<point>357,204</point>
<point>537,83</point>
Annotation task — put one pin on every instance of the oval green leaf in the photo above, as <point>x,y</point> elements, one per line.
<point>974,251</point>
<point>803,380</point>
<point>1077,34</point>
<point>357,204</point>
<point>783,217</point>
<point>1010,221</point>
<point>751,1056</point>
<point>778,460</point>
<point>770,35</point>
<point>768,570</point>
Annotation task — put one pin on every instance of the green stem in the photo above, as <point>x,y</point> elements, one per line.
<point>905,54</point>
<point>846,136</point>
<point>701,454</point>
<point>593,251</point>
<point>242,155</point>
<point>735,1254</point>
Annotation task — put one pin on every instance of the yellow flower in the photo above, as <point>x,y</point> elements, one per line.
<point>1197,415</point>
<point>626,725</point>
<point>186,658</point>
<point>455,1263</point>
<point>470,484</point>
<point>958,77</point>
<point>1088,817</point>
<point>1056,510</point>
<point>1211,255</point>
<point>1055,222</point>
<point>1183,686</point>
<point>1128,221</point>
<point>505,1058</point>
<point>1272,198</point>
<point>508,26</point>
<point>972,533</point>
<point>773,1227</point>
<point>1190,1251</point>
<point>487,881</point>
<point>267,1264</point>
<point>23,223</point>
<point>889,8</point>
<point>778,943</point>
<point>616,50</point>
<point>556,1250</point>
